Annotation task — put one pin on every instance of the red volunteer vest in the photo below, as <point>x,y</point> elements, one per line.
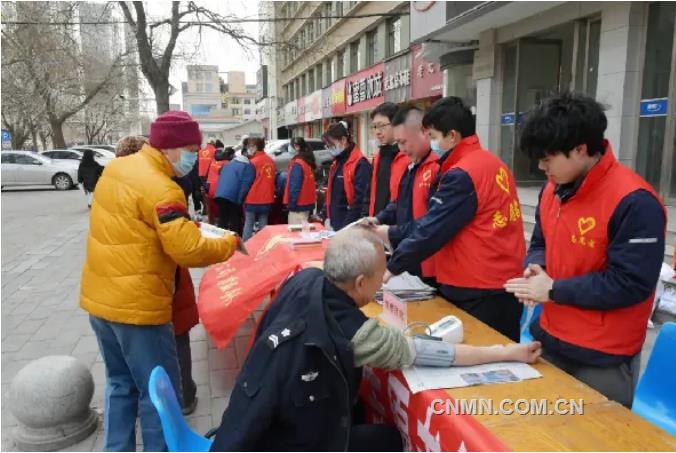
<point>576,234</point>
<point>422,182</point>
<point>490,249</point>
<point>398,170</point>
<point>308,191</point>
<point>213,174</point>
<point>263,188</point>
<point>348,177</point>
<point>206,156</point>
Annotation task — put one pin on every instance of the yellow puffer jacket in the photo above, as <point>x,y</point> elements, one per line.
<point>139,231</point>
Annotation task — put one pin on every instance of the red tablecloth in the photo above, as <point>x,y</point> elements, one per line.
<point>231,291</point>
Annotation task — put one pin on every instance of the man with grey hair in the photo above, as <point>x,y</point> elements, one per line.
<point>300,381</point>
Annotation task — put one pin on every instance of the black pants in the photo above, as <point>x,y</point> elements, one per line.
<point>188,386</point>
<point>229,215</point>
<point>501,311</point>
<point>616,382</point>
<point>375,438</point>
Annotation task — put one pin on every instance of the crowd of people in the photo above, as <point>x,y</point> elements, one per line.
<point>445,205</point>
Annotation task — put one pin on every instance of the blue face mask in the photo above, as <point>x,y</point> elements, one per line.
<point>336,151</point>
<point>185,163</point>
<point>434,144</point>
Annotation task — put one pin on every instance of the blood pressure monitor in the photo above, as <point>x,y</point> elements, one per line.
<point>449,329</point>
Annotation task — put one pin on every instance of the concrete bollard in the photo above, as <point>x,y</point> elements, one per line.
<point>50,399</point>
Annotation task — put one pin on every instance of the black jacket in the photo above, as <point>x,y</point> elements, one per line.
<point>297,388</point>
<point>88,175</point>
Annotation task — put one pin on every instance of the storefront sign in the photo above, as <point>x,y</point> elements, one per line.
<point>364,90</point>
<point>326,103</point>
<point>313,106</point>
<point>291,113</point>
<point>300,116</point>
<point>338,97</point>
<point>427,77</point>
<point>654,107</point>
<point>398,79</point>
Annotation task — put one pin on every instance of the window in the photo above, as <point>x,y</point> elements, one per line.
<point>236,100</point>
<point>8,158</point>
<point>247,101</point>
<point>235,112</point>
<point>340,66</point>
<point>327,72</point>
<point>247,111</point>
<point>338,8</point>
<point>371,47</point>
<point>318,76</point>
<point>393,36</point>
<point>310,33</point>
<point>327,12</point>
<point>311,81</point>
<point>354,56</point>
<point>208,87</point>
<point>297,92</point>
<point>200,109</point>
<point>23,159</point>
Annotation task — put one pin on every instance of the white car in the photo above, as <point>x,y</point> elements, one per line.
<point>74,154</point>
<point>26,168</point>
<point>99,153</point>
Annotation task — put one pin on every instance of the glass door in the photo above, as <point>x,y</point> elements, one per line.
<point>531,73</point>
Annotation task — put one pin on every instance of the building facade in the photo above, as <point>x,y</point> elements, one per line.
<point>506,57</point>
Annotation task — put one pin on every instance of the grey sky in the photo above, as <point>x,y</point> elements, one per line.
<point>215,48</point>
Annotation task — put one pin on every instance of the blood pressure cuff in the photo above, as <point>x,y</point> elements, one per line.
<point>433,353</point>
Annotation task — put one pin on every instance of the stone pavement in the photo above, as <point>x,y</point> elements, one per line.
<point>41,316</point>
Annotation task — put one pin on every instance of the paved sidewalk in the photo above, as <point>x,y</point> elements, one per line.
<point>41,316</point>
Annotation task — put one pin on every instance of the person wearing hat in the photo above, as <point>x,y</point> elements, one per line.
<point>139,232</point>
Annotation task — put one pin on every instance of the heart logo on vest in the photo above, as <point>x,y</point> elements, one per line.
<point>502,179</point>
<point>585,225</point>
<point>427,175</point>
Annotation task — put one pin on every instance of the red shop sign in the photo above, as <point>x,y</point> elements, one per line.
<point>365,89</point>
<point>427,78</point>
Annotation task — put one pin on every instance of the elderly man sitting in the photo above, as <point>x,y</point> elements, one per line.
<point>299,384</point>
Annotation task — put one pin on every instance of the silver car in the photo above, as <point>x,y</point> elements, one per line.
<point>282,152</point>
<point>74,154</point>
<point>25,168</point>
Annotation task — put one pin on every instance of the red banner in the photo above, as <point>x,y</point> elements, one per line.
<point>389,400</point>
<point>365,89</point>
<point>231,291</point>
<point>427,79</point>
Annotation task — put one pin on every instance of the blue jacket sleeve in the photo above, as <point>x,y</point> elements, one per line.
<point>248,176</point>
<point>362,183</point>
<point>295,184</point>
<point>635,252</point>
<point>388,216</point>
<point>536,250</point>
<point>451,208</point>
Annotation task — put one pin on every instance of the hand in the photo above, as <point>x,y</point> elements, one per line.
<point>388,275</point>
<point>369,222</point>
<point>382,231</point>
<point>523,352</point>
<point>531,289</point>
<point>528,272</point>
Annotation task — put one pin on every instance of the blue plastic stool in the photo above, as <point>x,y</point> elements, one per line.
<point>525,323</point>
<point>177,434</point>
<point>655,397</point>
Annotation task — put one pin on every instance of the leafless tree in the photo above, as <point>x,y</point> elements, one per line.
<point>156,39</point>
<point>49,66</point>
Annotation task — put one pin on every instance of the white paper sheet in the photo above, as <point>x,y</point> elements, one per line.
<point>430,378</point>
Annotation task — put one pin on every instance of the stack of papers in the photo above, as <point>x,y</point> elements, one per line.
<point>408,288</point>
<point>213,232</point>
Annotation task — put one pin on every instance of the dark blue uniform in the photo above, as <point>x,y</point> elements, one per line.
<point>298,386</point>
<point>342,215</point>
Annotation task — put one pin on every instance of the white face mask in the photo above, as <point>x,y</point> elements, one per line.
<point>336,151</point>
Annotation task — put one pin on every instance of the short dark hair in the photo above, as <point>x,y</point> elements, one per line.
<point>218,144</point>
<point>257,143</point>
<point>402,114</point>
<point>561,123</point>
<point>388,109</point>
<point>337,131</point>
<point>450,113</point>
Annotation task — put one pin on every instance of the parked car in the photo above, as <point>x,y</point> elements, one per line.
<point>281,152</point>
<point>27,168</point>
<point>73,154</point>
<point>98,152</point>
<point>110,148</point>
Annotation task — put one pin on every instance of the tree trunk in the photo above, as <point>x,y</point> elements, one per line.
<point>18,140</point>
<point>34,137</point>
<point>161,91</point>
<point>57,134</point>
<point>43,139</point>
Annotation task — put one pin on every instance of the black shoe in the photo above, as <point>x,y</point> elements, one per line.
<point>190,408</point>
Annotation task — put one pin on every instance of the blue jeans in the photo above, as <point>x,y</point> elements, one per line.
<point>250,218</point>
<point>130,352</point>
